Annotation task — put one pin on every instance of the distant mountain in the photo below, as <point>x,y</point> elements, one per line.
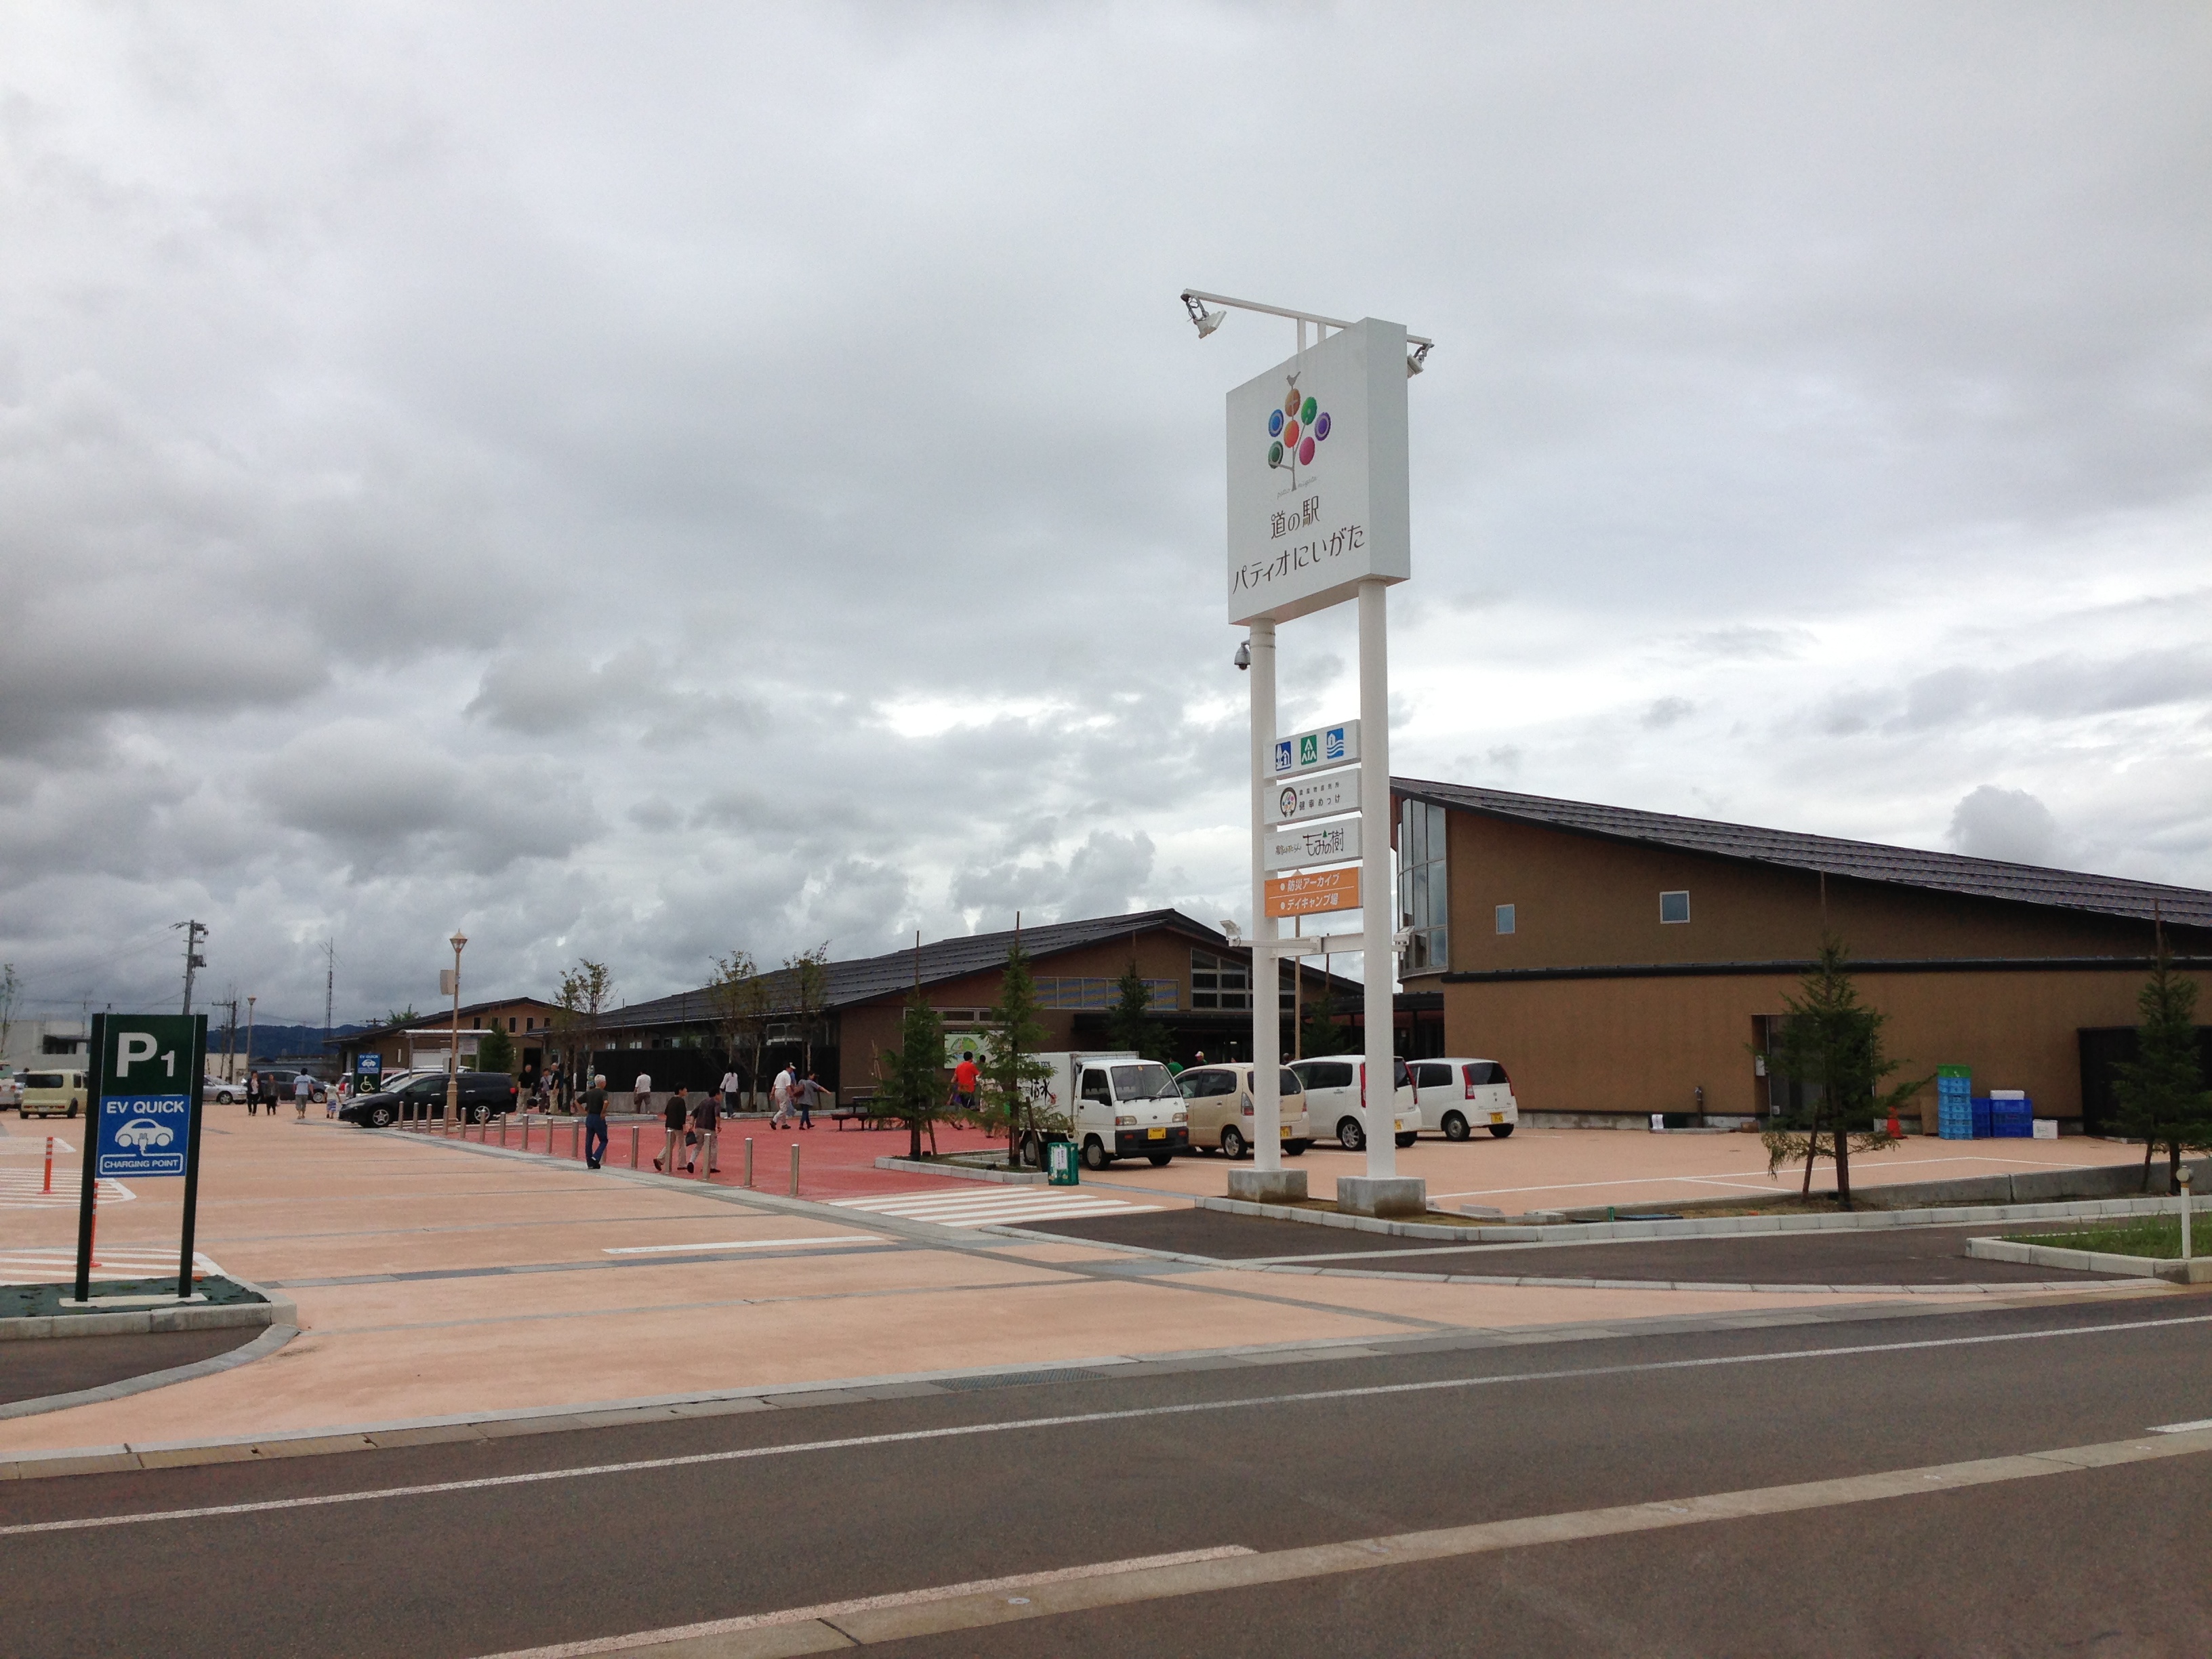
<point>270,1041</point>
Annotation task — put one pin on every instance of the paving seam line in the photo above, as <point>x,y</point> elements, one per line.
<point>556,1419</point>
<point>924,1613</point>
<point>1609,1232</point>
<point>1314,1267</point>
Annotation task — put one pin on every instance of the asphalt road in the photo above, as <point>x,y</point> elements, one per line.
<point>803,1506</point>
<point>1875,1256</point>
<point>30,1371</point>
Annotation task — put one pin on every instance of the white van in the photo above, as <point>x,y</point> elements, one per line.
<point>1457,1093</point>
<point>1116,1105</point>
<point>1336,1100</point>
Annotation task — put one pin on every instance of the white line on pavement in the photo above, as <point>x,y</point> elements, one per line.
<point>746,1454</point>
<point>729,1244</point>
<point>2183,1428</point>
<point>875,1603</point>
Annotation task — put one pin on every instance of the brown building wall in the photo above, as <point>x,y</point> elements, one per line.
<point>1584,901</point>
<point>1644,1045</point>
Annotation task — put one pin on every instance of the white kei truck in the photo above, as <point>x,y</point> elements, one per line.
<point>1114,1104</point>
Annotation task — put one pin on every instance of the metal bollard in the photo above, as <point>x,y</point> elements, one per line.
<point>575,1140</point>
<point>2184,1178</point>
<point>632,1145</point>
<point>794,1168</point>
<point>749,1160</point>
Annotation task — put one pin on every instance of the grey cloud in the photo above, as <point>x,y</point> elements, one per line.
<point>2004,824</point>
<point>1665,711</point>
<point>1108,872</point>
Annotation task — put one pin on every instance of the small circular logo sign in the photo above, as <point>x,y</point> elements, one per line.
<point>1295,430</point>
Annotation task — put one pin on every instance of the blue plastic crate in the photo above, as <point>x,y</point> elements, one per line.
<point>1981,1110</point>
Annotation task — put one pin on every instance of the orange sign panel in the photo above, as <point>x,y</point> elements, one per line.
<point>1306,896</point>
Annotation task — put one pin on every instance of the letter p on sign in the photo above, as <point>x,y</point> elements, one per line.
<point>132,1047</point>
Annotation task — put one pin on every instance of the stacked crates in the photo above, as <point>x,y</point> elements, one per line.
<point>2012,1114</point>
<point>1954,1103</point>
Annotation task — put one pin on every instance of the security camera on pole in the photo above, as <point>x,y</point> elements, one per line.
<point>1319,514</point>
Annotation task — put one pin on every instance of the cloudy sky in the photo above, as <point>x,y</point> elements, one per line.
<point>640,481</point>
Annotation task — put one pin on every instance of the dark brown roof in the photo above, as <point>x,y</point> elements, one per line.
<point>1862,860</point>
<point>864,979</point>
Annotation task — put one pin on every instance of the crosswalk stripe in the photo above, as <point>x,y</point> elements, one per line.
<point>953,1207</point>
<point>25,1189</point>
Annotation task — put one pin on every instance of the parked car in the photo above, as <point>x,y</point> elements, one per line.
<point>1336,1099</point>
<point>223,1091</point>
<point>1116,1105</point>
<point>1219,1101</point>
<point>48,1094</point>
<point>1455,1094</point>
<point>11,1088</point>
<point>483,1095</point>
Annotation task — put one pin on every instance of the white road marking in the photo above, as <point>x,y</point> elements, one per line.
<point>47,1266</point>
<point>25,1189</point>
<point>876,1603</point>
<point>31,1144</point>
<point>747,1454</point>
<point>2183,1428</point>
<point>730,1245</point>
<point>964,1207</point>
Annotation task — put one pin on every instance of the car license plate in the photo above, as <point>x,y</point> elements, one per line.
<point>1285,1131</point>
<point>1156,1134</point>
<point>1498,1117</point>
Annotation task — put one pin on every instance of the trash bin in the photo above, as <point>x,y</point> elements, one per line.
<point>1061,1169</point>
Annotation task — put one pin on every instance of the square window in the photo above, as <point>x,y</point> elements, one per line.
<point>1674,907</point>
<point>1504,918</point>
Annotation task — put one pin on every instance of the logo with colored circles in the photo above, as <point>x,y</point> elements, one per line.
<point>1296,429</point>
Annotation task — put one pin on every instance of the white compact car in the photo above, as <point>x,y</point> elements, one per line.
<point>222,1093</point>
<point>1458,1094</point>
<point>1336,1100</point>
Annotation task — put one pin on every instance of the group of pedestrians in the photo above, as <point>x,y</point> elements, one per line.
<point>794,1098</point>
<point>692,1133</point>
<point>262,1091</point>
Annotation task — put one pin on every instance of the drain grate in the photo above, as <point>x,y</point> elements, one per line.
<point>1017,1379</point>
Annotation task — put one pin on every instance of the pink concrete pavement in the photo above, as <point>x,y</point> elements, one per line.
<point>596,1315</point>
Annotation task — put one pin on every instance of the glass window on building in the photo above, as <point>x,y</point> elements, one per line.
<point>1424,895</point>
<point>1674,907</point>
<point>1504,918</point>
<point>1218,982</point>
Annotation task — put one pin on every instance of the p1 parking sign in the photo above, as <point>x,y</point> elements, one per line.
<point>146,1079</point>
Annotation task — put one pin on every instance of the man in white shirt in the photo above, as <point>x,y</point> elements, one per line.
<point>641,1093</point>
<point>731,1086</point>
<point>779,1097</point>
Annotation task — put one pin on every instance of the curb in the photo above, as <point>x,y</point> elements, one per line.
<point>966,1172</point>
<point>2197,1271</point>
<point>273,1308</point>
<point>275,1337</point>
<point>1598,1232</point>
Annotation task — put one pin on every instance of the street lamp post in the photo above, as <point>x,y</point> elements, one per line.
<point>453,1056</point>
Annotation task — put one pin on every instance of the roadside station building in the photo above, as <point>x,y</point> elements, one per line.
<point>1200,984</point>
<point>1620,963</point>
<point>423,1044</point>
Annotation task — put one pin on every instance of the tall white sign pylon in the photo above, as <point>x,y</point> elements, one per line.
<point>1319,514</point>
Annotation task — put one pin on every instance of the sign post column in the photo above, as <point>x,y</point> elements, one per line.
<point>1267,1182</point>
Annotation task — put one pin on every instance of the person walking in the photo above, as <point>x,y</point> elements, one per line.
<point>707,1119</point>
<point>303,1091</point>
<point>731,1084</point>
<point>967,1079</point>
<point>253,1094</point>
<point>779,1097</point>
<point>595,1124</point>
<point>674,1124</point>
<point>810,1093</point>
<point>641,1093</point>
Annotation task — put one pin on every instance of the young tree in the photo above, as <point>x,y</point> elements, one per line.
<point>582,998</point>
<point>11,999</point>
<point>1831,1045</point>
<point>1321,1034</point>
<point>1129,1023</point>
<point>494,1051</point>
<point>1013,1076</point>
<point>406,1016</point>
<point>2160,1092</point>
<point>739,996</point>
<point>914,1072</point>
<point>805,994</point>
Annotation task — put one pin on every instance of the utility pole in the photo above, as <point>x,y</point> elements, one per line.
<point>330,984</point>
<point>250,1001</point>
<point>194,932</point>
<point>229,1037</point>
